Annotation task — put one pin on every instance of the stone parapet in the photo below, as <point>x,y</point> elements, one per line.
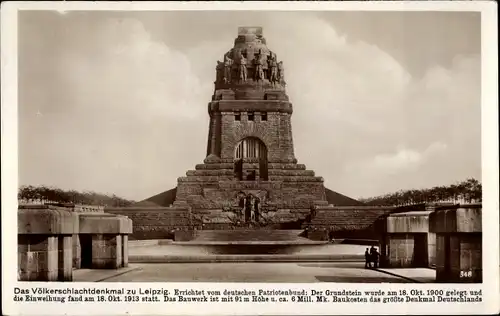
<point>80,208</point>
<point>408,222</point>
<point>43,219</point>
<point>104,224</point>
<point>459,219</point>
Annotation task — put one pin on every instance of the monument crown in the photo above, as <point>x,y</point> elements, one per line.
<point>249,67</point>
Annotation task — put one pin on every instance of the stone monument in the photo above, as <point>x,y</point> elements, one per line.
<point>250,175</point>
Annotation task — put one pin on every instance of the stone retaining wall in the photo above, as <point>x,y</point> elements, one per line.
<point>357,222</point>
<point>155,222</point>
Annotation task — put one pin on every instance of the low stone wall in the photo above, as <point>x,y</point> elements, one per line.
<point>155,222</point>
<point>52,240</point>
<point>356,222</point>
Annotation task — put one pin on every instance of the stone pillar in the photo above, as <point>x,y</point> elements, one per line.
<point>44,243</point>
<point>431,244</point>
<point>77,252</point>
<point>400,254</point>
<point>458,244</point>
<point>65,258</point>
<point>106,251</point>
<point>37,255</point>
<point>125,250</point>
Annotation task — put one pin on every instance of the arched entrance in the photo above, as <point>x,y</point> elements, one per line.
<point>250,150</point>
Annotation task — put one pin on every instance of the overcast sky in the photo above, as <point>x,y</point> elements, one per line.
<point>115,102</point>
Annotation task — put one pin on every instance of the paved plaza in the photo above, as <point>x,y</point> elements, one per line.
<point>341,272</point>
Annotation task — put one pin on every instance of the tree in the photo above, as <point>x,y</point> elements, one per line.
<point>467,191</point>
<point>45,194</point>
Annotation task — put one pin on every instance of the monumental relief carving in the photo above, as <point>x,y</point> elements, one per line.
<point>259,69</point>
<point>242,69</point>
<point>238,66</point>
<point>273,69</point>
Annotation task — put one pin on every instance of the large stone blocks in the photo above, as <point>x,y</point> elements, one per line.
<point>77,252</point>
<point>407,242</point>
<point>54,239</point>
<point>107,251</point>
<point>65,258</point>
<point>38,258</point>
<point>45,249</point>
<point>408,222</point>
<point>107,245</point>
<point>458,243</point>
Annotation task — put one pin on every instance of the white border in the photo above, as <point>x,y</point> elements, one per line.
<point>490,178</point>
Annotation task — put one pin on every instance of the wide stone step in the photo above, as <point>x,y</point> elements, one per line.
<point>248,235</point>
<point>244,258</point>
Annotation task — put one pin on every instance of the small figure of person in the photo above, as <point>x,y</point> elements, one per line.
<point>367,259</point>
<point>374,254</point>
<point>330,236</point>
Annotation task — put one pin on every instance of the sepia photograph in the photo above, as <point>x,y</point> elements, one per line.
<point>249,146</point>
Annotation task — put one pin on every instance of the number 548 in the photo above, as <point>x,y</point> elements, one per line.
<point>466,274</point>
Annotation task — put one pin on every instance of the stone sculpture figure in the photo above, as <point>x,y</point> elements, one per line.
<point>228,63</point>
<point>273,70</point>
<point>219,72</point>
<point>256,209</point>
<point>259,69</point>
<point>243,69</point>
<point>248,208</point>
<point>281,72</point>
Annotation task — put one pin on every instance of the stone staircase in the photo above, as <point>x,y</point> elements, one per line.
<point>248,235</point>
